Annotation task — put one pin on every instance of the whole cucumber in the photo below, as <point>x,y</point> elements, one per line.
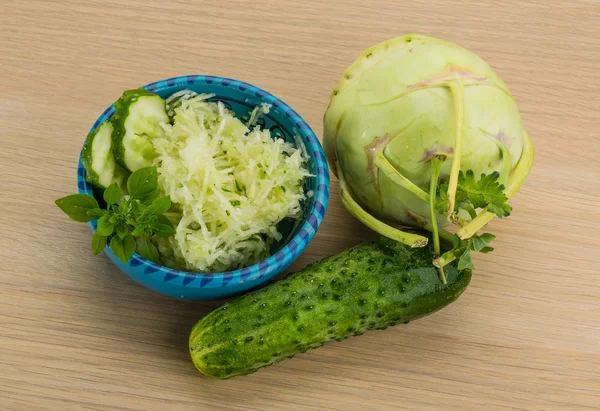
<point>370,286</point>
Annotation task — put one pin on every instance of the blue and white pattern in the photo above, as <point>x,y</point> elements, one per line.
<point>283,122</point>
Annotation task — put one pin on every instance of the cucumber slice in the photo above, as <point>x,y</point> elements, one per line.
<point>137,120</point>
<point>97,158</point>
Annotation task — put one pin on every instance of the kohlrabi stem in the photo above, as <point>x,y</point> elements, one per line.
<point>436,165</point>
<point>444,260</point>
<point>442,233</point>
<point>412,240</point>
<point>457,89</point>
<point>389,170</point>
<point>421,222</point>
<point>515,181</point>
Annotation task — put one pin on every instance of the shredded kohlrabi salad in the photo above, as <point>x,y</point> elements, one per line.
<point>230,184</point>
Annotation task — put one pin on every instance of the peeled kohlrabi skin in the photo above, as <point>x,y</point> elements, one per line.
<point>400,104</point>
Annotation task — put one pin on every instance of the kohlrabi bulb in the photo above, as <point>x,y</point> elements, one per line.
<point>405,101</point>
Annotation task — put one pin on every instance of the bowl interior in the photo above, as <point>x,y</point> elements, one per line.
<point>242,98</point>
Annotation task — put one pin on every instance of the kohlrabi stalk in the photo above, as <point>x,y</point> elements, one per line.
<point>385,167</point>
<point>436,164</point>
<point>456,87</point>
<point>374,224</point>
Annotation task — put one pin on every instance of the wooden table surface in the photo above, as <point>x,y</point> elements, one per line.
<point>75,333</point>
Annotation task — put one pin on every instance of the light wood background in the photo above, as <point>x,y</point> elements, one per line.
<point>75,333</point>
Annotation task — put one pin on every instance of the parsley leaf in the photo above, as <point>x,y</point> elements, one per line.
<point>462,251</point>
<point>486,192</point>
<point>464,262</point>
<point>471,194</point>
<point>473,197</point>
<point>479,242</point>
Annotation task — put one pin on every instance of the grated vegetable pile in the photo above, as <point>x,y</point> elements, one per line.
<point>231,184</point>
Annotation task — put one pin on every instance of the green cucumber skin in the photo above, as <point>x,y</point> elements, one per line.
<point>371,286</point>
<point>120,174</point>
<point>86,159</point>
<point>118,121</point>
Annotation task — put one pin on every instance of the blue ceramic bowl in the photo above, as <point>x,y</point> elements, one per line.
<point>283,122</point>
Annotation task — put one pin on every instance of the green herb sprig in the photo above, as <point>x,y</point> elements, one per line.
<point>473,197</point>
<point>129,221</point>
<point>487,193</point>
<point>483,194</point>
<point>462,251</point>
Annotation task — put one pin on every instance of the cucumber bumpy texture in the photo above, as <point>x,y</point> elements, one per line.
<point>371,286</point>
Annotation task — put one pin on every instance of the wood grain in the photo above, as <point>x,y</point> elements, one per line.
<point>75,333</point>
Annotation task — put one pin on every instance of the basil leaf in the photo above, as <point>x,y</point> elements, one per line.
<point>147,199</point>
<point>115,218</point>
<point>123,207</point>
<point>96,213</point>
<point>76,206</point>
<point>159,206</point>
<point>129,246</point>
<point>98,243</point>
<point>138,231</point>
<point>116,246</point>
<point>105,226</point>
<point>112,194</point>
<point>163,227</point>
<point>149,220</point>
<point>162,219</point>
<point>136,211</point>
<point>142,182</point>
<point>123,248</point>
<point>148,250</point>
<point>122,230</point>
<point>163,230</point>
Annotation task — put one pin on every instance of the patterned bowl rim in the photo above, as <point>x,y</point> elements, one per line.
<point>275,263</point>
